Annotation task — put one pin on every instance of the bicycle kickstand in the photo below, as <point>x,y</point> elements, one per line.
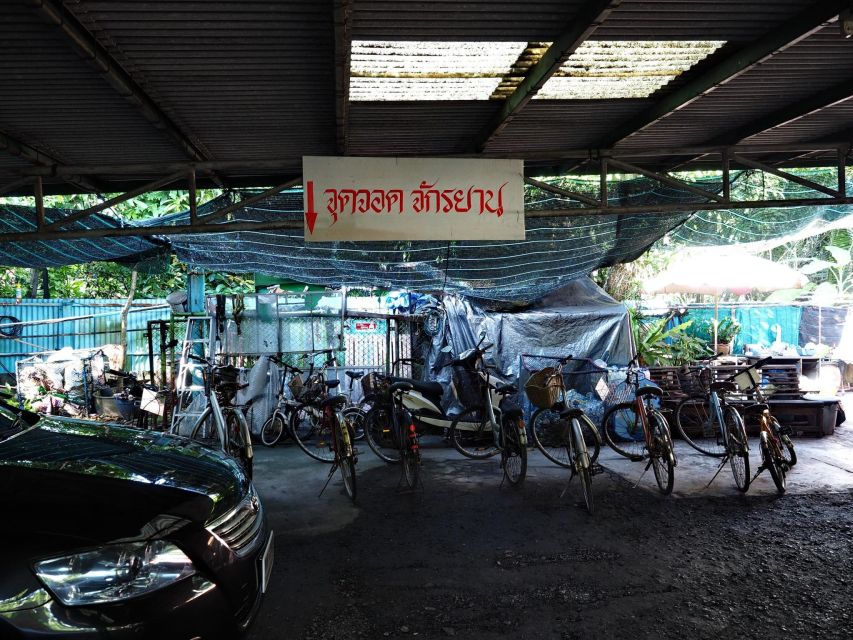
<point>329,478</point>
<point>720,468</point>
<point>642,475</point>
<point>568,482</point>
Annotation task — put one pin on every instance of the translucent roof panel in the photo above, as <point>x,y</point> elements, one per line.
<point>403,70</point>
<point>602,69</point>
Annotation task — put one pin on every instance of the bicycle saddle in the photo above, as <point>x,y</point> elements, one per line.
<point>334,401</point>
<point>331,384</point>
<point>649,391</point>
<point>354,375</point>
<point>401,386</point>
<point>506,389</point>
<point>761,407</point>
<point>723,386</point>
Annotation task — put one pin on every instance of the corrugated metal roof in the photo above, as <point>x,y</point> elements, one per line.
<point>803,69</point>
<point>52,99</point>
<point>607,69</point>
<point>255,80</point>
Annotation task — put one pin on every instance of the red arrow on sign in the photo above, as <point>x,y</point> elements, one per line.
<point>310,214</point>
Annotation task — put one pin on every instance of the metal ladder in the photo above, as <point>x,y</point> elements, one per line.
<point>191,391</point>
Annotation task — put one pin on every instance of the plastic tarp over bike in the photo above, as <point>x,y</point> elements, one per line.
<point>579,319</point>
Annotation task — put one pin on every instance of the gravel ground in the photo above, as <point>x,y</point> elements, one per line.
<point>467,558</point>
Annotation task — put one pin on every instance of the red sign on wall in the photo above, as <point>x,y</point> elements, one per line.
<point>365,326</point>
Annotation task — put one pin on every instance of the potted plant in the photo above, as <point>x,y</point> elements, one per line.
<point>727,330</point>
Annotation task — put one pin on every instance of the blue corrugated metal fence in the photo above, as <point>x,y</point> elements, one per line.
<point>88,323</point>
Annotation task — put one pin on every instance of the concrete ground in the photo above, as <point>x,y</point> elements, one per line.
<point>466,557</point>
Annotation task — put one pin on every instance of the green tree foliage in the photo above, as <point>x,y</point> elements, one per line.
<point>108,279</point>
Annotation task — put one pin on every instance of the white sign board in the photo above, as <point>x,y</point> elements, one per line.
<point>362,199</point>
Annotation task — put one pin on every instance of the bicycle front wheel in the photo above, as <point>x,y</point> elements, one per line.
<point>345,455</point>
<point>514,454</point>
<point>789,454</point>
<point>311,433</point>
<point>272,429</point>
<point>239,438</point>
<point>549,435</point>
<point>699,426</point>
<point>206,432</point>
<point>772,464</point>
<point>582,464</point>
<point>662,453</point>
<point>738,448</point>
<point>379,433</point>
<point>472,436</point>
<point>623,431</point>
<point>355,416</point>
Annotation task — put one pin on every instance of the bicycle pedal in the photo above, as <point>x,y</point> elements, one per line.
<point>636,458</point>
<point>596,469</point>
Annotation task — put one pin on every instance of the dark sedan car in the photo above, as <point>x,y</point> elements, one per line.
<point>118,533</point>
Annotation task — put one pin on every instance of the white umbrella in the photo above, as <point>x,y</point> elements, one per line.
<point>714,271</point>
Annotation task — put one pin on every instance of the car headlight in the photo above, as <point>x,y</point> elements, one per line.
<point>115,572</point>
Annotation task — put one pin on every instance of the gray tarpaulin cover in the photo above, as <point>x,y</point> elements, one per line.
<point>579,319</point>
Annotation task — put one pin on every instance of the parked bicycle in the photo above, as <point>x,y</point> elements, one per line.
<point>488,425</point>
<point>221,423</point>
<point>638,431</point>
<point>423,401</point>
<point>405,434</point>
<point>274,427</point>
<point>562,432</point>
<point>774,440</point>
<point>306,418</point>
<point>338,433</point>
<point>712,426</point>
<point>549,429</point>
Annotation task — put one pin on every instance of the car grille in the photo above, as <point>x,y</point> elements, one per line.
<point>240,527</point>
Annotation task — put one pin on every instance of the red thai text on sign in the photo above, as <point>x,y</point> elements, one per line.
<point>426,199</point>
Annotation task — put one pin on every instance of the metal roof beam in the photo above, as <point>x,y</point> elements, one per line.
<point>221,213</point>
<point>39,158</point>
<point>90,211</point>
<point>800,109</point>
<point>588,19</point>
<point>776,40</point>
<point>343,48</point>
<point>92,51</point>
<point>160,230</point>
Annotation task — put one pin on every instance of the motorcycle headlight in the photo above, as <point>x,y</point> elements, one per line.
<point>114,573</point>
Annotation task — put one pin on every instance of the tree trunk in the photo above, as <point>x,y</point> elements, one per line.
<point>34,284</point>
<point>45,284</point>
<point>124,312</point>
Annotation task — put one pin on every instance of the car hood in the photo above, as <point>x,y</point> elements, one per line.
<point>104,482</point>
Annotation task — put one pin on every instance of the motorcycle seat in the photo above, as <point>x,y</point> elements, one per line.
<point>431,390</point>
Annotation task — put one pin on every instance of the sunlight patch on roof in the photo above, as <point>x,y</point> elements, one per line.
<point>403,70</point>
<point>602,69</point>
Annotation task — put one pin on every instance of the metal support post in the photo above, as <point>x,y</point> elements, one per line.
<point>195,292</point>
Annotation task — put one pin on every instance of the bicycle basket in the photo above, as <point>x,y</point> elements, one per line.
<point>695,382</point>
<point>747,380</point>
<point>470,386</point>
<point>543,388</point>
<point>311,390</point>
<point>295,385</point>
<point>373,383</point>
